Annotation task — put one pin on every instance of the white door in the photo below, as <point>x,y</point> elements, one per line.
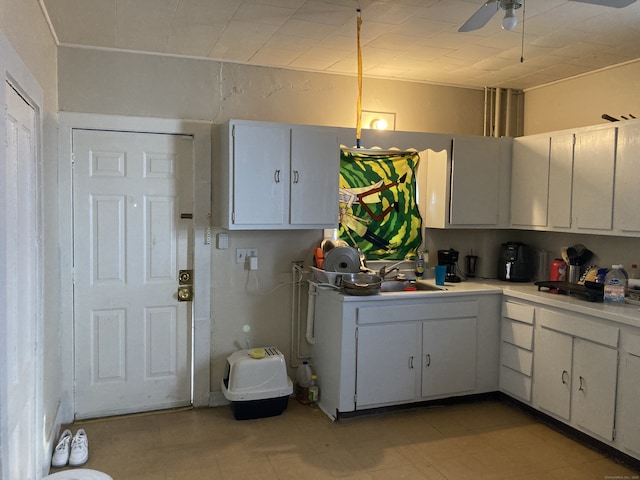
<point>132,196</point>
<point>22,297</point>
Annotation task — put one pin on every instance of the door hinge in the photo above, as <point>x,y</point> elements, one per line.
<point>613,434</point>
<point>355,399</point>
<point>73,159</point>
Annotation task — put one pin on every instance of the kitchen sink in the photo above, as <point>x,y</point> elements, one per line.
<point>408,286</point>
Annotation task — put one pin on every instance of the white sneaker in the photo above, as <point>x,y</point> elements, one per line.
<point>61,452</point>
<point>79,449</point>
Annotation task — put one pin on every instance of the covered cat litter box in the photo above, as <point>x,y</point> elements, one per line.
<point>256,383</point>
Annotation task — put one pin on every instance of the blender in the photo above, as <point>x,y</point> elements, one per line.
<point>449,258</point>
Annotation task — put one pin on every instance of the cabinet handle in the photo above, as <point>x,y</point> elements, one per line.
<point>581,389</point>
<point>296,176</point>
<point>276,176</point>
<point>411,362</point>
<point>427,359</point>
<point>564,372</point>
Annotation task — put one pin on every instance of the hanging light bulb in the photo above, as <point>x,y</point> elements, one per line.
<point>509,21</point>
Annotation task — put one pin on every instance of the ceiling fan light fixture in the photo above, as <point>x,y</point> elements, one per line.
<point>509,21</point>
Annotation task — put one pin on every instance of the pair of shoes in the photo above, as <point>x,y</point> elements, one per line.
<point>71,450</point>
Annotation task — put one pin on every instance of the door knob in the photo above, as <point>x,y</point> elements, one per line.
<point>185,293</point>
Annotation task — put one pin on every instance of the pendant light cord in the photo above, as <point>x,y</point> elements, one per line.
<point>524,15</point>
<point>359,102</point>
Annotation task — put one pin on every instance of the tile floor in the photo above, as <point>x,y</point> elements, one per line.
<point>484,440</point>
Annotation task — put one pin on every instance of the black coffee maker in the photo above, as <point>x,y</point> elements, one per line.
<point>450,259</point>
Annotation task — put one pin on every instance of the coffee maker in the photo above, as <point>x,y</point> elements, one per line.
<point>450,259</point>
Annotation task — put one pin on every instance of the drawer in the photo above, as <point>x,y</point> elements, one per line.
<point>515,384</point>
<point>516,358</point>
<point>517,311</point>
<point>517,333</point>
<point>417,312</point>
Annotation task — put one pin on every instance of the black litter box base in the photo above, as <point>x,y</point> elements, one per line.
<point>267,407</point>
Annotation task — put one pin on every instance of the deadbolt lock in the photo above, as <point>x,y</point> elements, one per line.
<point>185,293</point>
<point>185,277</point>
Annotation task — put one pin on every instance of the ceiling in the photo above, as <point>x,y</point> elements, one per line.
<point>415,40</point>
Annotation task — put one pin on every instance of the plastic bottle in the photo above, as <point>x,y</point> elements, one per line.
<point>633,273</point>
<point>314,390</point>
<point>557,273</point>
<point>303,381</point>
<point>419,265</point>
<point>558,270</point>
<point>614,284</point>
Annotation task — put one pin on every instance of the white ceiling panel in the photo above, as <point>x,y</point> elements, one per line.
<point>400,39</point>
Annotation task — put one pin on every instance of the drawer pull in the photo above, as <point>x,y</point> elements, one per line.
<point>411,362</point>
<point>427,360</point>
<point>564,372</point>
<point>581,388</point>
<point>276,176</point>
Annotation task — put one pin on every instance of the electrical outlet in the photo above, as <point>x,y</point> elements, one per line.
<point>243,253</point>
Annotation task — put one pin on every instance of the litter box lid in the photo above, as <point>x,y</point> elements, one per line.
<point>251,378</point>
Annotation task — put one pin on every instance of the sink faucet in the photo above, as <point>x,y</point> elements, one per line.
<point>386,270</point>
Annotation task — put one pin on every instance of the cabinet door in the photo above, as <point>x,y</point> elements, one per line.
<point>388,364</point>
<point>627,214</point>
<point>260,173</point>
<point>475,181</point>
<point>530,181</point>
<point>315,164</point>
<point>552,372</point>
<point>448,356</point>
<point>629,405</point>
<point>595,369</point>
<point>560,181</point>
<point>594,164</point>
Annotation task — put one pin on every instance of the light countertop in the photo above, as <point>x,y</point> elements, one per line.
<point>622,313</point>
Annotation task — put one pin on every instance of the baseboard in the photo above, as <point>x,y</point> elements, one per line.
<point>217,399</point>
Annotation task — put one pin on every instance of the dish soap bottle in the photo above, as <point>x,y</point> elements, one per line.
<point>419,270</point>
<point>615,283</point>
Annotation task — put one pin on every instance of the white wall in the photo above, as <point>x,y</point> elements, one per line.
<point>25,28</point>
<point>581,101</point>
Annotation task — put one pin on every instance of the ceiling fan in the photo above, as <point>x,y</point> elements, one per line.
<point>509,22</point>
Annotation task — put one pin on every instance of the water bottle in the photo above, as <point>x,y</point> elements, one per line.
<point>314,390</point>
<point>303,382</point>
<point>615,283</point>
<point>419,270</point>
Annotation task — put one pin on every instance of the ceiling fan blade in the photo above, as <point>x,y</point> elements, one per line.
<point>481,17</point>
<point>608,3</point>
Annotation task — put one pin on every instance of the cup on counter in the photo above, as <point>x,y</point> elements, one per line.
<point>440,273</point>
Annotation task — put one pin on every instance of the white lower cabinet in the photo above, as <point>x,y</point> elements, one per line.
<point>516,350</point>
<point>628,420</point>
<point>401,362</point>
<point>388,363</point>
<point>448,356</point>
<point>575,378</point>
<point>379,351</point>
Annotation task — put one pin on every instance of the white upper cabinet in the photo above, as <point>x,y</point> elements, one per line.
<point>593,173</point>
<point>278,176</point>
<point>560,181</point>
<point>470,190</point>
<point>626,215</point>
<point>530,181</point>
